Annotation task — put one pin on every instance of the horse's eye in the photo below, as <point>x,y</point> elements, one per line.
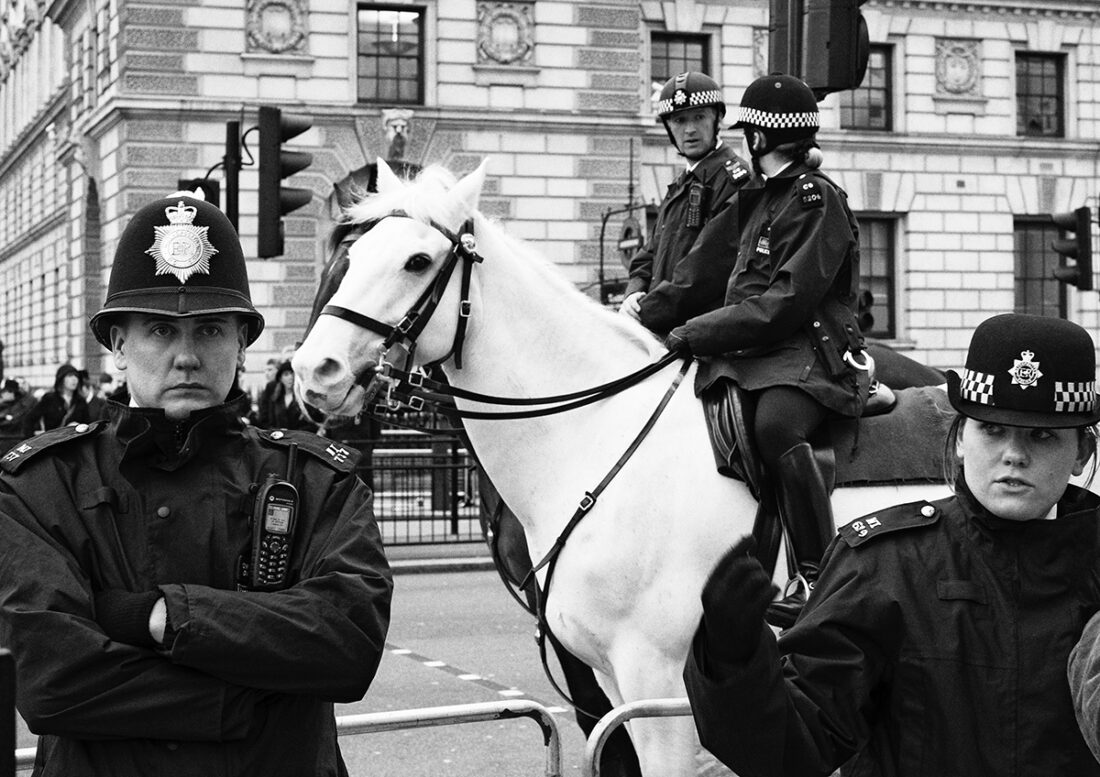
<point>418,263</point>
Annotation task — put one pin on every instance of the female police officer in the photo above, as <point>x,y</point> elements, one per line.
<point>787,332</point>
<point>935,641</point>
<point>172,607</point>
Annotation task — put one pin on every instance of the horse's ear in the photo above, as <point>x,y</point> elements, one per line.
<point>469,188</point>
<point>387,179</point>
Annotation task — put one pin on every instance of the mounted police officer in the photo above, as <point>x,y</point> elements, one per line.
<point>185,594</point>
<point>936,639</point>
<point>662,291</point>
<point>787,334</point>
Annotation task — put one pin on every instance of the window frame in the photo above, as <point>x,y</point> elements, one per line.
<point>845,108</point>
<point>421,58</point>
<point>1061,63</point>
<point>889,280</point>
<point>705,40</point>
<point>1050,259</point>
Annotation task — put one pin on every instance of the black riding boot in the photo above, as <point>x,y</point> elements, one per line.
<point>807,517</point>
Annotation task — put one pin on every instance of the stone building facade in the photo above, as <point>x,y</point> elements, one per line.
<point>976,121</point>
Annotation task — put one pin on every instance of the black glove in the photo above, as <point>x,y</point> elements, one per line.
<point>124,616</point>
<point>677,343</point>
<point>735,597</point>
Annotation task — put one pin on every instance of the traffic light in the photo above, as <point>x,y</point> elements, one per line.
<point>1075,245</point>
<point>277,163</point>
<point>865,300</point>
<point>784,35</point>
<point>835,46</point>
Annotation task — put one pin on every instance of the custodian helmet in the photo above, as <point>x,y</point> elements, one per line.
<point>781,105</point>
<point>179,256</point>
<point>1025,370</point>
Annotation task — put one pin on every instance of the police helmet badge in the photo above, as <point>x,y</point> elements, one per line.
<point>1024,371</point>
<point>181,248</point>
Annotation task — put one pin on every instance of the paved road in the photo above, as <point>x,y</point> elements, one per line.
<point>455,638</point>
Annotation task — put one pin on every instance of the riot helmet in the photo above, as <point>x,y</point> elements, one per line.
<point>783,107</point>
<point>688,91</point>
<point>179,256</point>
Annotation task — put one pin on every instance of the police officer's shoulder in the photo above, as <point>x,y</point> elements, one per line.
<point>809,191</point>
<point>12,461</point>
<point>738,173</point>
<point>893,519</point>
<point>336,454</point>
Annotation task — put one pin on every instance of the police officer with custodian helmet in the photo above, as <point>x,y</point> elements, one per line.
<point>202,630</point>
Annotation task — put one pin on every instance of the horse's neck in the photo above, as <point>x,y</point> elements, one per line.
<point>534,337</point>
<point>527,340</point>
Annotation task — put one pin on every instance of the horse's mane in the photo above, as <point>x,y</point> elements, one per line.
<point>427,199</point>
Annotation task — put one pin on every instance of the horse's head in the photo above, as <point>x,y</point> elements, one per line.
<point>401,286</point>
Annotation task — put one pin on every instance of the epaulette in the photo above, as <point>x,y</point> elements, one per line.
<point>336,454</point>
<point>23,452</point>
<point>737,172</point>
<point>809,192</point>
<point>892,519</point>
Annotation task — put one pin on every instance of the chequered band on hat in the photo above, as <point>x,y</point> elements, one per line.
<point>769,120</point>
<point>1074,397</point>
<point>681,100</point>
<point>977,387</point>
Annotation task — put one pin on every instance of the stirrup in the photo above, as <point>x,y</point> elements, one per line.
<point>798,585</point>
<point>783,612</point>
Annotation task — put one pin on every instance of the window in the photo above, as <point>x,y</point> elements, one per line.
<point>1037,290</point>
<point>876,259</point>
<point>390,54</point>
<point>1040,107</point>
<point>869,107</point>
<point>673,53</point>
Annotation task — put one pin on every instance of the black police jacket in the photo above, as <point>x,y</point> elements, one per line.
<point>140,504</point>
<point>934,645</point>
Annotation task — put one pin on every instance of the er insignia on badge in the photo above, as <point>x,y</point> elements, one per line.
<point>181,248</point>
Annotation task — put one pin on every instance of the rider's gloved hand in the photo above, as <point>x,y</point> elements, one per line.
<point>631,305</point>
<point>735,597</point>
<point>677,343</point>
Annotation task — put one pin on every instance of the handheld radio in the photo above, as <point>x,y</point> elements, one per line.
<point>274,515</point>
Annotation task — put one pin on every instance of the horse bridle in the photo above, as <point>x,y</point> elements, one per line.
<point>406,331</point>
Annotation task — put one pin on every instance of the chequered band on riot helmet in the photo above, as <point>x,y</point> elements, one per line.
<point>682,100</point>
<point>769,120</point>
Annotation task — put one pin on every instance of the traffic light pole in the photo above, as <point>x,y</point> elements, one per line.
<point>232,162</point>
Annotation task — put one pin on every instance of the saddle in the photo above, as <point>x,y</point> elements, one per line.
<point>867,447</point>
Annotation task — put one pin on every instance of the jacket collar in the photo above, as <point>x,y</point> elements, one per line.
<point>170,444</point>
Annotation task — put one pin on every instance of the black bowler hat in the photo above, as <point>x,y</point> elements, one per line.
<point>179,256</point>
<point>1028,371</point>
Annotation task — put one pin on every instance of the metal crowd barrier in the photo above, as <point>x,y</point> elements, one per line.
<point>376,722</point>
<point>645,708</point>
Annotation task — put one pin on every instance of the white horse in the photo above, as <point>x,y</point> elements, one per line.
<point>625,594</point>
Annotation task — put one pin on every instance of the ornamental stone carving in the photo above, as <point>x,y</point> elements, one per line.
<point>277,26</point>
<point>505,33</point>
<point>958,68</point>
